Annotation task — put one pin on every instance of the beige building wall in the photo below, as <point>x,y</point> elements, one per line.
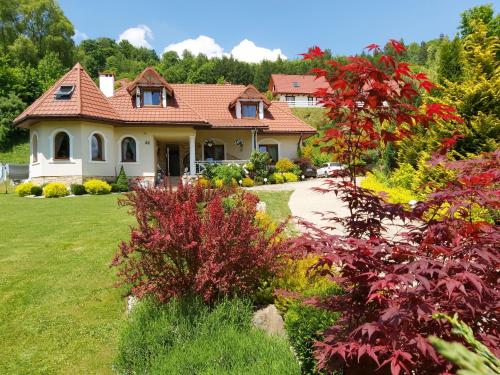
<point>287,144</point>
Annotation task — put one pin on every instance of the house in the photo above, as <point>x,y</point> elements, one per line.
<point>297,90</point>
<point>150,127</point>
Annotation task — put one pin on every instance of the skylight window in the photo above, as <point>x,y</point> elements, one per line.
<point>64,92</point>
<point>295,84</point>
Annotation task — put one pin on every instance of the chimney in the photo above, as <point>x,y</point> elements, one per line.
<point>107,83</point>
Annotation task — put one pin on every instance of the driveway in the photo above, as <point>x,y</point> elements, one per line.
<point>306,203</point>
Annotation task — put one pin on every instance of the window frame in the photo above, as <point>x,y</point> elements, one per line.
<point>250,104</point>
<point>152,89</point>
<point>34,148</point>
<point>136,159</point>
<point>266,142</point>
<point>104,145</point>
<point>58,158</point>
<point>289,98</point>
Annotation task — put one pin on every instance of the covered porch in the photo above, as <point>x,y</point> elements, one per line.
<point>177,154</point>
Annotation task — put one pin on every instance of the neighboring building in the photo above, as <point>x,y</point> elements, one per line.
<point>297,90</point>
<point>150,127</point>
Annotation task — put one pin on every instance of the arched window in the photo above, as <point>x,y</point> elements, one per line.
<point>97,147</point>
<point>129,152</point>
<point>61,146</point>
<point>34,148</point>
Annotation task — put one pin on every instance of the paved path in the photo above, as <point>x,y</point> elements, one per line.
<point>306,203</point>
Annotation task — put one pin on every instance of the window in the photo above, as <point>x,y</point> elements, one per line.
<point>151,97</point>
<point>214,152</point>
<point>310,100</point>
<point>249,110</point>
<point>64,92</point>
<point>272,150</point>
<point>129,152</point>
<point>295,84</point>
<point>97,147</point>
<point>34,148</point>
<point>290,98</point>
<point>61,146</point>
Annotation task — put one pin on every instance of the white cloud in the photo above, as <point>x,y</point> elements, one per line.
<point>246,50</point>
<point>137,36</point>
<point>249,52</point>
<point>203,44</point>
<point>79,36</point>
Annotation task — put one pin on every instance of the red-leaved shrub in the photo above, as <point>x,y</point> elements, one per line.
<point>196,241</point>
<point>446,262</point>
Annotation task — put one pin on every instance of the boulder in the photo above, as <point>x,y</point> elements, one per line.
<point>269,320</point>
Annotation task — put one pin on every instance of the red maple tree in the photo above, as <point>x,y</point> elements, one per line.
<point>445,262</point>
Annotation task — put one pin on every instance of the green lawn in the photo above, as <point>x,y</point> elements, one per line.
<point>59,310</point>
<point>277,203</point>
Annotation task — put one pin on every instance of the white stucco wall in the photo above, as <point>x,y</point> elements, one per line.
<point>287,144</point>
<point>149,143</point>
<point>300,100</point>
<point>226,137</point>
<point>46,165</point>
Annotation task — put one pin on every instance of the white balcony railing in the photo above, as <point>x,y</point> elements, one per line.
<point>303,104</point>
<point>201,164</point>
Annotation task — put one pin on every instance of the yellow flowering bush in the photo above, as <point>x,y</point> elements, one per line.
<point>290,177</point>
<point>97,187</point>
<point>24,189</point>
<point>55,190</point>
<point>247,182</point>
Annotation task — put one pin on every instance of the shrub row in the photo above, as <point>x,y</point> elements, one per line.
<point>57,189</point>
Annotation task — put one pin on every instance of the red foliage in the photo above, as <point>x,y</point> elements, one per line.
<point>195,241</point>
<point>392,287</point>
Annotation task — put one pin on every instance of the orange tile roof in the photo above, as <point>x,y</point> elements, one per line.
<point>86,101</point>
<point>196,104</point>
<point>296,84</point>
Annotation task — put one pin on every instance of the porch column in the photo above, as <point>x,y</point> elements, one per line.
<point>192,155</point>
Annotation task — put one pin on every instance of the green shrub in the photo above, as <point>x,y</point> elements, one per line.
<point>304,325</point>
<point>290,177</point>
<point>260,162</point>
<point>187,337</point>
<point>218,183</point>
<point>284,165</point>
<point>478,361</point>
<point>258,180</point>
<point>36,191</point>
<point>228,173</point>
<point>122,181</point>
<point>55,190</point>
<point>97,187</point>
<point>247,182</point>
<point>278,178</point>
<point>77,189</point>
<point>115,188</point>
<point>428,178</point>
<point>24,189</point>
<point>403,176</point>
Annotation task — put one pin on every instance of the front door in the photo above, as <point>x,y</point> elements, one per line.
<point>173,160</point>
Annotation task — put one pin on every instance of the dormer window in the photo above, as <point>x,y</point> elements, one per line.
<point>64,92</point>
<point>151,97</point>
<point>249,110</point>
<point>295,84</point>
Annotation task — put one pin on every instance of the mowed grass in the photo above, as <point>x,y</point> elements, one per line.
<point>59,309</point>
<point>276,203</point>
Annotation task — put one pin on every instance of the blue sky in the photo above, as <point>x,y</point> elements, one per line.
<point>254,29</point>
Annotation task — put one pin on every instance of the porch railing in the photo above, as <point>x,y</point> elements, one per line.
<point>201,164</point>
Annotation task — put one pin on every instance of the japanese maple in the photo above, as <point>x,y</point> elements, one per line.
<point>444,262</point>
